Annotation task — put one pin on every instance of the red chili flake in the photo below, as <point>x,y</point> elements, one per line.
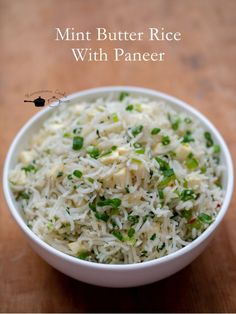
<point>191,221</point>
<point>218,205</point>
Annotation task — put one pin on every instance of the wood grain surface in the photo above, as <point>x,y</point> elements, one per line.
<point>200,70</point>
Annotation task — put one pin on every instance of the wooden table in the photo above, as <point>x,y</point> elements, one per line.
<point>200,70</point>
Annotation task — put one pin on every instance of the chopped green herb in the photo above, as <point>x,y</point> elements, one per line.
<point>24,195</point>
<point>153,237</point>
<point>98,134</point>
<point>163,164</point>
<point>143,253</point>
<point>176,191</point>
<point>137,130</point>
<point>216,149</point>
<point>93,152</point>
<point>83,254</point>
<point>77,173</point>
<point>69,177</point>
<point>129,107</point>
<point>113,148</point>
<point>187,214</point>
<point>185,183</point>
<point>209,140</point>
<point>151,173</point>
<point>77,130</point>
<point>131,232</point>
<point>205,218</point>
<point>140,151</point>
<point>68,135</point>
<point>115,211</point>
<point>175,124</point>
<point>91,180</point>
<point>165,140</point>
<point>138,107</point>
<point>155,131</point>
<point>114,224</point>
<point>145,218</point>
<point>30,168</point>
<point>217,159</point>
<point>130,241</point>
<point>169,172</point>
<point>191,162</point>
<point>203,169</point>
<point>137,145</point>
<point>218,182</point>
<point>92,206</point>
<point>187,138</point>
<point>161,247</point>
<point>113,202</point>
<point>151,214</point>
<point>195,223</point>
<point>123,95</point>
<point>60,174</point>
<point>78,142</point>
<point>114,117</point>
<point>101,216</point>
<point>133,219</point>
<point>49,225</point>
<point>165,182</point>
<point>187,120</point>
<point>106,153</point>
<point>127,189</point>
<point>118,235</point>
<point>160,194</point>
<point>172,154</point>
<point>187,195</point>
<point>137,161</point>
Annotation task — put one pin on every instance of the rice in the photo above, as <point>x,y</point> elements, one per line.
<point>119,181</point>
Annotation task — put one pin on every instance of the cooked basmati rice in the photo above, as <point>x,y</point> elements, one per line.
<point>119,180</point>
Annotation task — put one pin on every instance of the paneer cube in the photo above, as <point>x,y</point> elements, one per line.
<point>55,127</point>
<point>194,181</point>
<point>92,113</point>
<point>76,247</point>
<point>78,108</point>
<point>55,170</point>
<point>138,169</point>
<point>122,178</point>
<point>18,177</point>
<point>157,148</point>
<point>26,157</point>
<point>122,150</point>
<point>114,156</point>
<point>182,152</point>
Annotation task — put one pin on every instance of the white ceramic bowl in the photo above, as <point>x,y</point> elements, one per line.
<point>117,275</point>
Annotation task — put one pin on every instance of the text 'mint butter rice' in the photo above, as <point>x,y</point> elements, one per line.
<point>119,180</point>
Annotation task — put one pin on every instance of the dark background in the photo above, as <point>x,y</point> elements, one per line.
<point>200,70</point>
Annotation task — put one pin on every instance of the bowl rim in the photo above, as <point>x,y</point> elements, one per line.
<point>118,267</point>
